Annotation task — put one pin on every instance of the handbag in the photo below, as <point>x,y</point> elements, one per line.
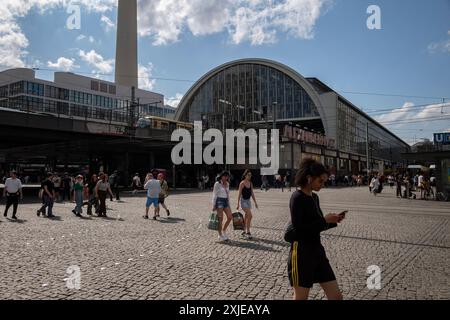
<point>213,222</point>
<point>238,221</point>
<point>289,233</point>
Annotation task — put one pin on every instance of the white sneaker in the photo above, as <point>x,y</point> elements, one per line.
<point>221,238</point>
<point>225,237</point>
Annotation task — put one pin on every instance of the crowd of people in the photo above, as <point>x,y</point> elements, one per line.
<point>91,193</point>
<point>404,185</point>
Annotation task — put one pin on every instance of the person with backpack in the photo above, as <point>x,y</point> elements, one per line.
<point>244,196</point>
<point>164,193</point>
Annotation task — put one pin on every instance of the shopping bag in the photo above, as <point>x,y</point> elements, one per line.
<point>238,221</point>
<point>213,223</point>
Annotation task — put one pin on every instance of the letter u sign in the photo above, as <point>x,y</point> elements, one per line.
<point>438,137</point>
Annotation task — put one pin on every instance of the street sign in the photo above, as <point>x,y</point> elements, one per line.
<point>442,138</point>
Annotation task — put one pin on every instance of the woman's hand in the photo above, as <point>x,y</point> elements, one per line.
<point>256,205</point>
<point>333,218</point>
<point>237,208</point>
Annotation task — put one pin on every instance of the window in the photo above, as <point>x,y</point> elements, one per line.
<point>104,87</point>
<point>94,85</point>
<point>3,92</point>
<point>112,89</point>
<point>16,88</point>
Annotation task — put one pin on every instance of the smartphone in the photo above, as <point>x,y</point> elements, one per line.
<point>342,214</point>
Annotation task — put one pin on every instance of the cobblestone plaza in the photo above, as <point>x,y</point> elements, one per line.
<point>127,257</point>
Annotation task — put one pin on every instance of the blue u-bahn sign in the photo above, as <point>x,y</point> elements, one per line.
<point>442,138</point>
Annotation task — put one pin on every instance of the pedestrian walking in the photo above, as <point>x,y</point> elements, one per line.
<point>288,181</point>
<point>398,182</point>
<point>78,188</point>
<point>114,181</point>
<point>308,263</point>
<point>221,203</point>
<point>66,186</point>
<point>164,193</point>
<point>136,183</point>
<point>102,189</point>
<point>12,192</point>
<point>153,188</point>
<point>48,197</point>
<point>92,199</point>
<point>375,185</point>
<point>244,196</point>
<point>57,181</point>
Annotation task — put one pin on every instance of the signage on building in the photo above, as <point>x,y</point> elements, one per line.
<point>308,137</point>
<point>313,150</point>
<point>442,138</point>
<point>344,155</point>
<point>356,158</point>
<point>330,153</point>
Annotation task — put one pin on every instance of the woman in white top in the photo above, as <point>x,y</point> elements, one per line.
<point>221,203</point>
<point>375,184</point>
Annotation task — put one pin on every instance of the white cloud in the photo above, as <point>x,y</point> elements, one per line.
<point>97,61</point>
<point>174,101</point>
<point>442,46</point>
<point>408,112</point>
<point>256,21</point>
<point>81,37</point>
<point>13,42</point>
<point>64,64</point>
<point>107,23</point>
<point>145,74</point>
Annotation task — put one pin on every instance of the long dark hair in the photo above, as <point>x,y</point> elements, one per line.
<point>246,172</point>
<point>309,167</point>
<point>222,174</point>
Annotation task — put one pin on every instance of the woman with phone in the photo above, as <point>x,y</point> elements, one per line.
<point>308,263</point>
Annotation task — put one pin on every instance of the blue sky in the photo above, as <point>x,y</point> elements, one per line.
<point>328,39</point>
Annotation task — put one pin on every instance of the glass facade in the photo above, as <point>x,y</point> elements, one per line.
<point>155,110</point>
<point>245,93</point>
<point>351,136</point>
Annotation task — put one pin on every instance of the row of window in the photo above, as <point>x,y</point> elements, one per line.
<point>103,87</point>
<point>247,93</point>
<point>154,110</point>
<point>352,135</point>
<point>33,104</point>
<point>36,89</point>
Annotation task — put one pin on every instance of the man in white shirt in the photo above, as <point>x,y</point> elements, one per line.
<point>419,185</point>
<point>153,188</point>
<point>12,191</point>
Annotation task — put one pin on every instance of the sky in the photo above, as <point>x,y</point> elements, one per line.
<point>399,74</point>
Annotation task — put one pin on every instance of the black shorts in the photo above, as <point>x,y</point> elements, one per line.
<point>308,264</point>
<point>161,200</point>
